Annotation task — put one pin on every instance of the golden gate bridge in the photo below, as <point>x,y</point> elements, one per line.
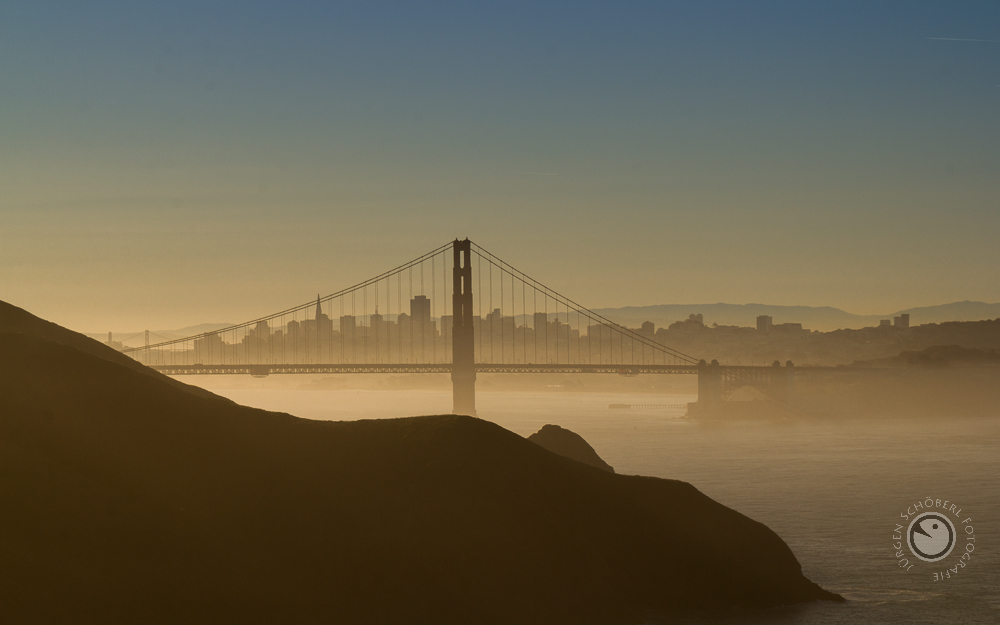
<point>457,309</point>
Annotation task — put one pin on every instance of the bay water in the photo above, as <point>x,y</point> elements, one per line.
<point>834,490</point>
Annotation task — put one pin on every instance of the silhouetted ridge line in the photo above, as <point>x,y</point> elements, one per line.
<point>19,321</point>
<point>128,500</point>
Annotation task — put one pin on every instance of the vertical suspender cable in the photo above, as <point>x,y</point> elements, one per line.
<point>423,328</point>
<point>490,314</point>
<point>410,318</point>
<point>432,325</point>
<point>365,324</point>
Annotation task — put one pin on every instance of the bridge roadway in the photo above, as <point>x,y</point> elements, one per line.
<point>262,370</point>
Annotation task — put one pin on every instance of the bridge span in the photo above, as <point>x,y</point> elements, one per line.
<point>264,370</point>
<point>426,316</point>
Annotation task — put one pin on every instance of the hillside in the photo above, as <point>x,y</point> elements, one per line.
<point>127,498</point>
<point>19,321</point>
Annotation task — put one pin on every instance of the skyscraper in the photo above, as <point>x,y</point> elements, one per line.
<point>422,328</point>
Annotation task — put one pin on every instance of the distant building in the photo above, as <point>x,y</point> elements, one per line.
<point>118,345</point>
<point>787,327</point>
<point>694,323</point>
<point>902,321</point>
<point>421,328</point>
<point>209,349</point>
<point>404,332</point>
<point>420,310</point>
<point>540,321</point>
<point>764,323</point>
<point>884,323</point>
<point>348,327</point>
<point>316,332</point>
<point>377,323</point>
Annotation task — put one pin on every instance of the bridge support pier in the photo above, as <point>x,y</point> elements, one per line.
<point>715,385</point>
<point>709,383</point>
<point>782,382</point>
<point>463,373</point>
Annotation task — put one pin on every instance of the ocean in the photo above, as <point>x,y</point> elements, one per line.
<point>833,490</point>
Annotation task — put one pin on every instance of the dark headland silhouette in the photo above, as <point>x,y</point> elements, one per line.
<point>130,497</point>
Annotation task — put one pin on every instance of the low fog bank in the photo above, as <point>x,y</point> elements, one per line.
<point>486,382</point>
<point>899,392</point>
<point>869,391</point>
<point>938,381</point>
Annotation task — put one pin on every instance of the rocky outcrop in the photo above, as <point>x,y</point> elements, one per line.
<point>567,443</point>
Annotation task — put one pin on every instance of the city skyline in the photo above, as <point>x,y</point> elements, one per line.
<point>414,337</point>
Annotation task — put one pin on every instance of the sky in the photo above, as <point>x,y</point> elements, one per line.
<point>169,164</point>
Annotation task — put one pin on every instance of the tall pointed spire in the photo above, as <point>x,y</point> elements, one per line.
<point>319,309</point>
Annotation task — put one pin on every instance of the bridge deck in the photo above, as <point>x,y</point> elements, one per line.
<point>245,369</point>
<point>262,370</point>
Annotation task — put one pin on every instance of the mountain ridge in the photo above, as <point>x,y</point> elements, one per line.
<point>823,318</point>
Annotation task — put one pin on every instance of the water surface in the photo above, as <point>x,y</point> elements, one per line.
<point>832,490</point>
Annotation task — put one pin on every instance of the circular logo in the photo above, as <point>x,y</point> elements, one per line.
<point>931,536</point>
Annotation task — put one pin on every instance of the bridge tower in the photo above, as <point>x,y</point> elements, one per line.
<point>463,373</point>
<point>709,383</point>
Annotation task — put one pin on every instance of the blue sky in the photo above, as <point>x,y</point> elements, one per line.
<point>171,164</point>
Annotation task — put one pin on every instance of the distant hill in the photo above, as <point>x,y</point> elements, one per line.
<point>126,498</point>
<point>937,356</point>
<point>824,318</point>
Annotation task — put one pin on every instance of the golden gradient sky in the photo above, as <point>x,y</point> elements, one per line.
<point>217,161</point>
